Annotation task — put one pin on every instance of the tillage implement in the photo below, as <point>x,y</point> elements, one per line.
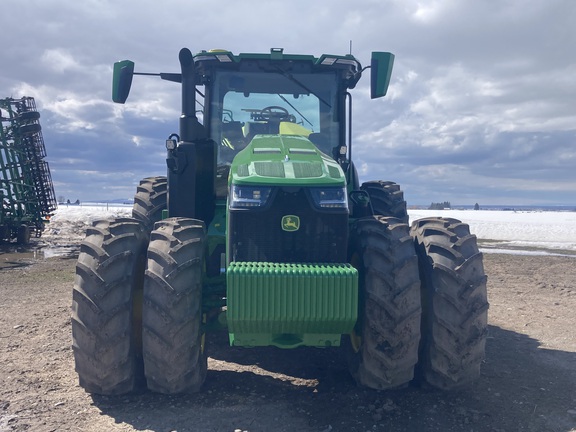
<point>26,190</point>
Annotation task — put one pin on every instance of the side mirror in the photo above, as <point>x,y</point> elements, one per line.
<point>122,80</point>
<point>380,72</point>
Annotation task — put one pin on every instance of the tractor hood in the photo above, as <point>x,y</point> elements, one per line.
<point>285,160</point>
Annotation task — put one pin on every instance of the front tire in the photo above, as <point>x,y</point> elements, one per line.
<point>454,303</point>
<point>174,357</point>
<point>385,341</point>
<point>106,301</point>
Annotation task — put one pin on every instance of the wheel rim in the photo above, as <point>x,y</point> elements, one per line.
<point>355,341</point>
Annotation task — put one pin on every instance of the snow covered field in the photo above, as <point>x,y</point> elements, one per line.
<point>522,232</point>
<point>528,232</point>
<point>67,227</point>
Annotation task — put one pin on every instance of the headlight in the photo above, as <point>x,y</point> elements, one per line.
<point>329,197</point>
<point>249,196</point>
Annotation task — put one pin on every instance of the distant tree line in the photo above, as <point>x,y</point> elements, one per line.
<point>440,206</point>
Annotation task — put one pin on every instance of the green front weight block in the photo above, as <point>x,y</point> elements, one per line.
<point>290,305</point>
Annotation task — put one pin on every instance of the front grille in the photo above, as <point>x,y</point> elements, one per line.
<point>269,169</point>
<point>257,235</point>
<point>307,170</point>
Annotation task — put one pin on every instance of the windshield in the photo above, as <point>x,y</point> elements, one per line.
<point>245,104</point>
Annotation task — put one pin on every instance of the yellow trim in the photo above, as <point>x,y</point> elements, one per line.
<point>289,128</point>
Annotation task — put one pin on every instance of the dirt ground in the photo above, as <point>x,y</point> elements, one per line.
<point>528,380</point>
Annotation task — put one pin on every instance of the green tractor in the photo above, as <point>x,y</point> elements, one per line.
<point>262,225</point>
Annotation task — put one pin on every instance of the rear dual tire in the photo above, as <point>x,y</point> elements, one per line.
<point>173,342</point>
<point>454,303</point>
<point>129,324</point>
<point>150,200</point>
<point>387,199</point>
<point>384,345</point>
<point>422,303</point>
<point>106,307</point>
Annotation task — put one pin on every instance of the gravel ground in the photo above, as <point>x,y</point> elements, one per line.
<point>527,383</point>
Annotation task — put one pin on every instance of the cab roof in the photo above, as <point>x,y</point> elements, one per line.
<point>276,54</point>
<point>347,65</point>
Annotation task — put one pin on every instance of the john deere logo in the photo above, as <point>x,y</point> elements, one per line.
<point>290,223</point>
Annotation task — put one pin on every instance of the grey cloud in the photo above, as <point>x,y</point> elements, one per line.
<point>480,105</point>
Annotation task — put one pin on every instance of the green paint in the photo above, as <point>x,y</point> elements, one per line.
<point>280,160</point>
<point>288,305</point>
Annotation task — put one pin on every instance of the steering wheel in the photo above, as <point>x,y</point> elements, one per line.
<point>275,112</point>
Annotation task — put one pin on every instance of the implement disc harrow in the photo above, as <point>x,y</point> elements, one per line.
<point>26,189</point>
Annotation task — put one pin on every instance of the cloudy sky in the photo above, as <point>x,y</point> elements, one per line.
<point>481,107</point>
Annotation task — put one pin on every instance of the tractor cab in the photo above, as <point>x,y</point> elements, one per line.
<point>275,95</point>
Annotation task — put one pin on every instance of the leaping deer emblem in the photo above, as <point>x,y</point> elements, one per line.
<point>290,223</point>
